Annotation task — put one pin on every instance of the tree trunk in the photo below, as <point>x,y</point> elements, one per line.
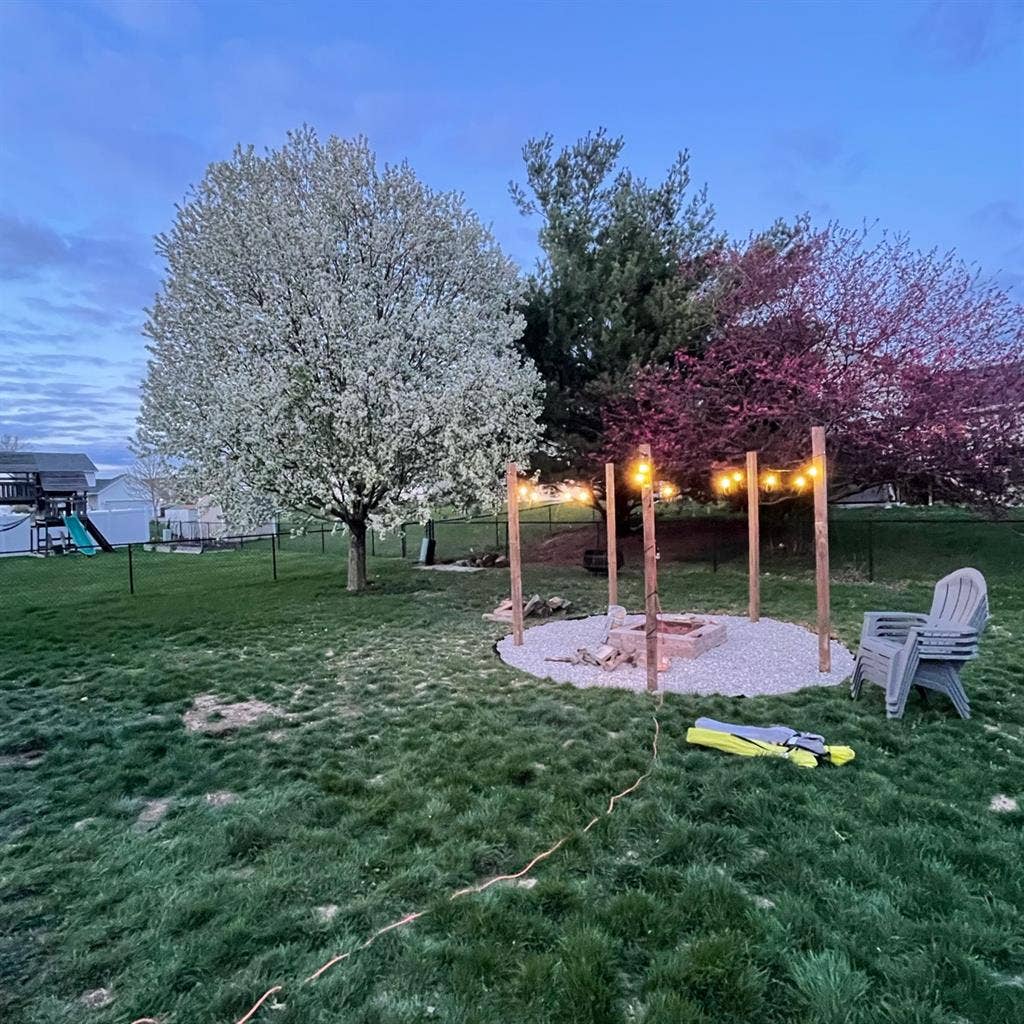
<point>356,555</point>
<point>624,504</point>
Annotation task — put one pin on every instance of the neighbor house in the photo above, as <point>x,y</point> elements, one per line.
<point>119,492</point>
<point>205,520</point>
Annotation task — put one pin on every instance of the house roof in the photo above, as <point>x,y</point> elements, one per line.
<point>103,482</point>
<point>45,462</point>
<point>62,483</point>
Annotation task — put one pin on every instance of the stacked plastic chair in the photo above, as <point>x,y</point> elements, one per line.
<point>899,650</point>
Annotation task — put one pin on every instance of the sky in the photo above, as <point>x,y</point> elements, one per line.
<point>906,114</point>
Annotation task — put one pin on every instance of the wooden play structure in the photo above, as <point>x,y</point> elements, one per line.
<point>54,488</point>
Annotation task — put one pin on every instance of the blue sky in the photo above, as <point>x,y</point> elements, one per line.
<point>910,114</point>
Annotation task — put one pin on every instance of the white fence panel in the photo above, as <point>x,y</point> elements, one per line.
<point>122,526</point>
<point>15,533</point>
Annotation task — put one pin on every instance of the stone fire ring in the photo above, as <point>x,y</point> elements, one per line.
<point>758,659</point>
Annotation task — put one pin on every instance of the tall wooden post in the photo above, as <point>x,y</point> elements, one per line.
<point>753,540</point>
<point>612,541</point>
<point>650,570</point>
<point>821,575</point>
<point>515,564</point>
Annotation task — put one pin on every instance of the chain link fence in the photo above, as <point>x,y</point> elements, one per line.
<point>866,548</point>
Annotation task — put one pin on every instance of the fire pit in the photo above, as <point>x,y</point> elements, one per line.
<point>679,636</point>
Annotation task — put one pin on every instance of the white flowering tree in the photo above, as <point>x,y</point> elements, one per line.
<point>335,339</point>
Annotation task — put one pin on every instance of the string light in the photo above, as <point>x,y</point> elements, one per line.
<point>666,490</point>
<point>643,474</point>
<point>729,481</point>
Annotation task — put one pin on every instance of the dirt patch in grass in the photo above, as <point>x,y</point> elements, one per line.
<point>96,998</point>
<point>221,798</point>
<point>1003,804</point>
<point>152,814</point>
<point>210,715</point>
<point>26,759</point>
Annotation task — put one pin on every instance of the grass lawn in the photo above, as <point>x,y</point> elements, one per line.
<point>408,762</point>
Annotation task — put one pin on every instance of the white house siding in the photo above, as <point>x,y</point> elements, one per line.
<point>120,493</point>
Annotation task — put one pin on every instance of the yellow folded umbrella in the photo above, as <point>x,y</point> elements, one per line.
<point>758,748</point>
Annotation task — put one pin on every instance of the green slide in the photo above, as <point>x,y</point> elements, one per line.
<point>83,542</point>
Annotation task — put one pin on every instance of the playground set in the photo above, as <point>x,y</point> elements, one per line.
<point>54,488</point>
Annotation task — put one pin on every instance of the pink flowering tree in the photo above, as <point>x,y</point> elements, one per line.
<point>912,362</point>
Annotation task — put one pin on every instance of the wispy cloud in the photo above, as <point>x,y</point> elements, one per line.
<point>956,35</point>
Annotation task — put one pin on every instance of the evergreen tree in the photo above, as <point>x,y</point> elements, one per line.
<point>620,284</point>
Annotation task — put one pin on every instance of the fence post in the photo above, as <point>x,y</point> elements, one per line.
<point>714,546</point>
<point>373,546</point>
<point>403,539</point>
<point>871,551</point>
<point>273,553</point>
<point>131,572</point>
<point>497,531</point>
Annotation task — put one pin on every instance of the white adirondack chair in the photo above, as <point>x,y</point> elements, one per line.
<point>903,649</point>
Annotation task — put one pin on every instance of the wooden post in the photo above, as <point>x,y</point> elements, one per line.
<point>821,546</point>
<point>650,571</point>
<point>612,542</point>
<point>514,562</point>
<point>753,539</point>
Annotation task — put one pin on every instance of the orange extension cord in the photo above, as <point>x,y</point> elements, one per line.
<point>468,891</point>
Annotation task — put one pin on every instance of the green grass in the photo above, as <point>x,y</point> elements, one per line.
<point>412,763</point>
